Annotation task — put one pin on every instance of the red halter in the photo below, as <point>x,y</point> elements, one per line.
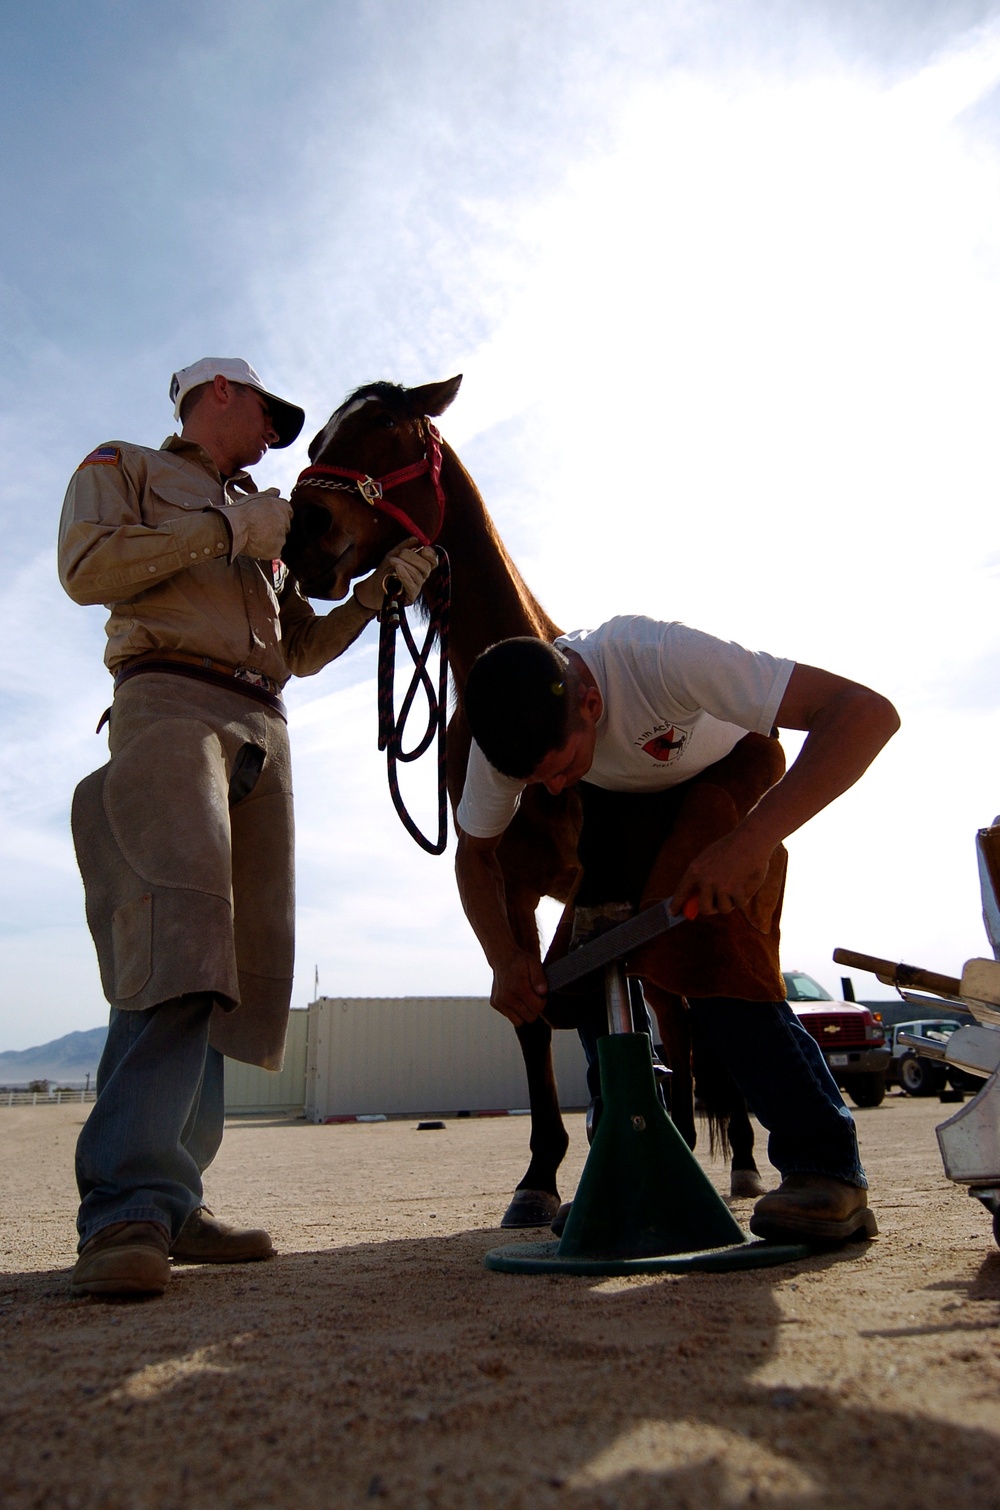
<point>373,489</point>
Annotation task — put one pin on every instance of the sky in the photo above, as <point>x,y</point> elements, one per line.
<point>724,283</point>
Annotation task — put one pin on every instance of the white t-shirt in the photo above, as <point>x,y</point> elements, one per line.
<point>675,701</point>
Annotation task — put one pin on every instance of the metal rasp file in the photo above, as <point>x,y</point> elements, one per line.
<point>644,927</point>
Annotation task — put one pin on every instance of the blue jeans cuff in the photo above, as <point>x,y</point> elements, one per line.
<point>849,1176</point>
<point>129,1214</point>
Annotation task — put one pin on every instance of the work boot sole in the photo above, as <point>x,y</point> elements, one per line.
<point>859,1227</point>
<point>110,1288</point>
<point>126,1285</point>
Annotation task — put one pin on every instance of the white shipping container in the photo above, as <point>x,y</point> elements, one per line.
<point>423,1055</point>
<point>251,1089</point>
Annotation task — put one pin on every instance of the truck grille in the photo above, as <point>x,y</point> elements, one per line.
<point>851,1029</point>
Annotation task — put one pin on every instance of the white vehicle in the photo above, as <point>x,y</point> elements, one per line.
<point>921,1075</point>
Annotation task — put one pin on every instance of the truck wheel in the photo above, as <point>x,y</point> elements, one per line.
<point>865,1090</point>
<point>996,1227</point>
<point>919,1077</point>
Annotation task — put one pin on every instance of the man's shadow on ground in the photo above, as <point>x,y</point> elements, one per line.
<point>406,1371</point>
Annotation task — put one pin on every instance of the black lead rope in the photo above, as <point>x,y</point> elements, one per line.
<point>390,728</point>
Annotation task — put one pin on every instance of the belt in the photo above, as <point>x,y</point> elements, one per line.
<point>201,668</point>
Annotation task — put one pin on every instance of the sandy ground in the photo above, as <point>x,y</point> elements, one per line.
<point>377,1360</point>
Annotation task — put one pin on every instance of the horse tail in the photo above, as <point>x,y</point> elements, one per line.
<point>720,1102</point>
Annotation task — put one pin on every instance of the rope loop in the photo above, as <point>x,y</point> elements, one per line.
<point>390,727</point>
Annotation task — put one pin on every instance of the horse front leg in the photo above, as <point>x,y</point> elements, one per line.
<point>536,1199</point>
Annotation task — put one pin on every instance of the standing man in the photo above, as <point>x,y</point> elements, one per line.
<point>184,838</point>
<point>667,732</point>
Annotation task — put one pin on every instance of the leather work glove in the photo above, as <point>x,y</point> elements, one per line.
<point>410,563</point>
<point>259,524</point>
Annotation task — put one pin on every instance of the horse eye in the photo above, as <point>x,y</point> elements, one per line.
<point>386,421</point>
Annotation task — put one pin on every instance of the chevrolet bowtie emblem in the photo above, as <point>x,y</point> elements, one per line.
<point>832,1027</point>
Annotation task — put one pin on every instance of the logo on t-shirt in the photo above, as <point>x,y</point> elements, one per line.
<point>664,743</point>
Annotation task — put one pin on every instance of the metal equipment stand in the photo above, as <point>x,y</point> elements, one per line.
<point>970,1140</point>
<point>644,1205</point>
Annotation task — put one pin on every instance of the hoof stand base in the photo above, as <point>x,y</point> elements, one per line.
<point>644,1203</point>
<point>543,1258</point>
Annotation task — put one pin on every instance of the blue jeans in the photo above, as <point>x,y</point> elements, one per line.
<point>785,1080</point>
<point>157,1121</point>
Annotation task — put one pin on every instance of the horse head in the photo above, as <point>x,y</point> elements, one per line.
<point>341,525</point>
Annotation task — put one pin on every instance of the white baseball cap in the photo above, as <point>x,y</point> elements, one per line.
<point>287,418</point>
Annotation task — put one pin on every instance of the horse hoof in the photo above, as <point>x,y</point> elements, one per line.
<point>560,1219</point>
<point>531,1208</point>
<point>745,1184</point>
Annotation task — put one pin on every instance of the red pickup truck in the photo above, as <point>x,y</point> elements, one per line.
<point>853,1043</point>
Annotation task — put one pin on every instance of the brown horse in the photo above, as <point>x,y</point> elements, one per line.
<point>338,534</point>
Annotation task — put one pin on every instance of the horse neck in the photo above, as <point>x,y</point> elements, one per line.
<point>490,600</point>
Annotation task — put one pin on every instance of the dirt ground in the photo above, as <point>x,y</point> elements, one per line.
<point>377,1360</point>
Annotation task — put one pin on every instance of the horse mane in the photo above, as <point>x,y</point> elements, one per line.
<point>492,600</point>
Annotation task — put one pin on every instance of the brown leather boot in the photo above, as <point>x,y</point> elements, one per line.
<point>127,1259</point>
<point>203,1239</point>
<point>814,1207</point>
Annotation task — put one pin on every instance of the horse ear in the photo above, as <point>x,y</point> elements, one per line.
<point>433,398</point>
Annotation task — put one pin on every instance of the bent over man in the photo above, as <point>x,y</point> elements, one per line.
<point>184,838</point>
<point>668,734</point>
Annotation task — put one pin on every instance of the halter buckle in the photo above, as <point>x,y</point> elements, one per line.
<point>370,490</point>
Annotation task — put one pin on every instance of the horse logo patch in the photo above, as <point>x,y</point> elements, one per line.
<point>104,456</point>
<point>664,743</point>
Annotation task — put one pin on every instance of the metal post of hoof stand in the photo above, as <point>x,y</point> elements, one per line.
<point>644,1205</point>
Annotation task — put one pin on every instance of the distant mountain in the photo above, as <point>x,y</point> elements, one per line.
<point>64,1061</point>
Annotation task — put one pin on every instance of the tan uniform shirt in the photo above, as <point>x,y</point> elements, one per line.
<point>144,533</point>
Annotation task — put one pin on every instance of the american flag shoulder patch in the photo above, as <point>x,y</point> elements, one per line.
<point>106,456</point>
